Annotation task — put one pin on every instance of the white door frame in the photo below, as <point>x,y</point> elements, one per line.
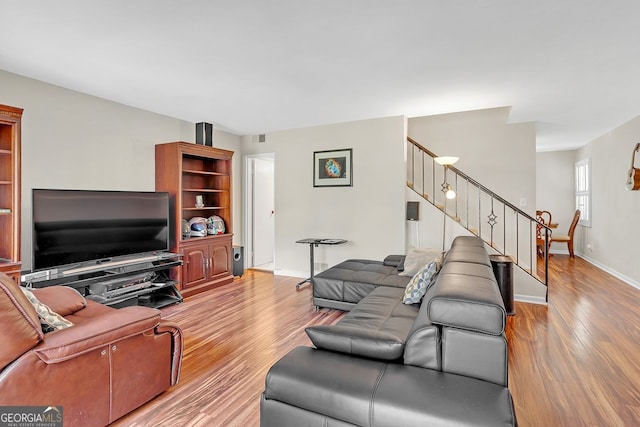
<point>248,204</point>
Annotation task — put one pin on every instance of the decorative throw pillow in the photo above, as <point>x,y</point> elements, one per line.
<point>418,258</point>
<point>50,320</point>
<point>420,283</point>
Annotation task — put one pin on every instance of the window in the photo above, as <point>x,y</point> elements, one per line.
<point>583,191</point>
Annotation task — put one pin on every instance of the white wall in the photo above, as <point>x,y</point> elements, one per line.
<point>75,141</point>
<point>229,141</point>
<point>555,190</point>
<point>370,215</point>
<point>499,155</point>
<point>614,233</point>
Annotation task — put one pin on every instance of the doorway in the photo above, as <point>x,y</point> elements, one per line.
<point>260,213</point>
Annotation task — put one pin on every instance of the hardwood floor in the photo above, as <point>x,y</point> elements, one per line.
<point>577,361</point>
<point>573,363</point>
<point>233,334</point>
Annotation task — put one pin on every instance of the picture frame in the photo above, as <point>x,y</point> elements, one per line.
<point>333,168</point>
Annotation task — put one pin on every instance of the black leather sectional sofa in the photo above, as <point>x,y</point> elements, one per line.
<point>441,362</point>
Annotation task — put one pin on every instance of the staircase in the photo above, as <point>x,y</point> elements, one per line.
<point>507,229</point>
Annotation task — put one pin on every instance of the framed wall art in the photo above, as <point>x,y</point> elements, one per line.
<point>332,168</point>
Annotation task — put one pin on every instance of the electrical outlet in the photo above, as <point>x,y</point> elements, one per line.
<point>590,247</point>
<point>523,202</point>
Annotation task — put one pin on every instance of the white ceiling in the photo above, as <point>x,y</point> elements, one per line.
<point>252,66</point>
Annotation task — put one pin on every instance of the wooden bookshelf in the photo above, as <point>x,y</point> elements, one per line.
<point>10,188</point>
<point>185,171</point>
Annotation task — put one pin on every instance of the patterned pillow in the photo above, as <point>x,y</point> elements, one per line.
<point>50,320</point>
<point>420,283</point>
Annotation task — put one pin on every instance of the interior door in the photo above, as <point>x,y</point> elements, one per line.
<point>263,211</point>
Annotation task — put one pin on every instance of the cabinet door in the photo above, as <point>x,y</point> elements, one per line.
<point>194,268</point>
<point>220,259</point>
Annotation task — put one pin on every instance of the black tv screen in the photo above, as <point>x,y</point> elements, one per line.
<point>78,226</point>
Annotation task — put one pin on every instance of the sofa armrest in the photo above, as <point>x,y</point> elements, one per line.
<point>177,346</point>
<point>396,261</point>
<point>100,331</point>
<point>467,302</point>
<point>61,299</point>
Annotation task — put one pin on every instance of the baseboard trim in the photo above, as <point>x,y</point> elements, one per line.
<point>290,273</point>
<point>628,280</point>
<point>530,299</point>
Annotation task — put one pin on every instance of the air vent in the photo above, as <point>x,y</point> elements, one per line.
<point>262,138</point>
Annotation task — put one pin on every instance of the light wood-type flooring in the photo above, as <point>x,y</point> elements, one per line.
<point>573,363</point>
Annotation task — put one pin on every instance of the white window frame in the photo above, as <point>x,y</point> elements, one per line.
<point>583,191</point>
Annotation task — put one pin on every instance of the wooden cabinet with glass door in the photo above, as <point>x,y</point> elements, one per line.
<point>198,179</point>
<point>10,188</point>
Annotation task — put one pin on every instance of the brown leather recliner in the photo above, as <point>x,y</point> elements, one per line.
<point>108,363</point>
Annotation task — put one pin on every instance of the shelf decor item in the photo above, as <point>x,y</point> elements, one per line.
<point>332,168</point>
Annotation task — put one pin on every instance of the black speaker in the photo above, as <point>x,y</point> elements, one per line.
<point>238,260</point>
<point>204,134</point>
<point>413,211</point>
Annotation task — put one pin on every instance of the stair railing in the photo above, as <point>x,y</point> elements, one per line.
<point>508,229</point>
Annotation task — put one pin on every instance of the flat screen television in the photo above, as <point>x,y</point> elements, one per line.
<point>81,227</point>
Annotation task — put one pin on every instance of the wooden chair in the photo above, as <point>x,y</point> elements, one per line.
<point>544,218</point>
<point>568,238</point>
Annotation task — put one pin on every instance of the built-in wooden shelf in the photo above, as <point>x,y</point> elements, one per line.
<point>10,190</point>
<point>186,171</point>
<point>197,172</point>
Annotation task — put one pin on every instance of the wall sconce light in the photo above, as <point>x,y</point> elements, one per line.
<point>446,160</point>
<point>449,193</point>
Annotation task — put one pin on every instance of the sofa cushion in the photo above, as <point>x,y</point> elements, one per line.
<point>370,393</point>
<point>467,241</point>
<point>64,300</point>
<point>418,258</point>
<point>468,253</point>
<point>324,382</point>
<point>376,328</point>
<point>420,283</point>
<point>352,280</point>
<point>410,396</point>
<point>468,269</point>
